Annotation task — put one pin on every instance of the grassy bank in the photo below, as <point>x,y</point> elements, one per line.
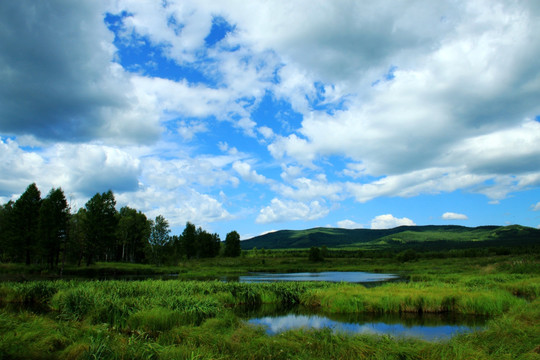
<point>175,319</point>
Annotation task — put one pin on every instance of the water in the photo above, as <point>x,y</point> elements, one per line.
<point>330,276</point>
<point>431,327</point>
<point>367,279</point>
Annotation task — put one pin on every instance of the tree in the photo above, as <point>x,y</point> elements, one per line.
<point>100,227</point>
<point>133,232</point>
<point>53,226</point>
<point>207,245</point>
<point>76,245</point>
<point>232,244</point>
<point>407,255</point>
<point>159,236</point>
<point>6,232</point>
<point>188,240</point>
<point>25,221</point>
<point>315,254</point>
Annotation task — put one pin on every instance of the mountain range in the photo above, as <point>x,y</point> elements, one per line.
<point>436,237</point>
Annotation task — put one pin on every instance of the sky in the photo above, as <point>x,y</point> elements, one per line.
<point>258,116</point>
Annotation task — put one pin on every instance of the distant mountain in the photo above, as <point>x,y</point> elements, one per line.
<point>403,236</point>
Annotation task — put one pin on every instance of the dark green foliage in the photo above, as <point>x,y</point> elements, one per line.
<point>7,248</point>
<point>77,239</point>
<point>25,224</point>
<point>232,244</point>
<point>421,238</point>
<point>53,226</point>
<point>188,241</point>
<point>407,255</point>
<point>197,243</point>
<point>36,231</point>
<point>100,228</point>
<point>207,244</point>
<point>133,233</point>
<point>159,237</point>
<point>315,254</point>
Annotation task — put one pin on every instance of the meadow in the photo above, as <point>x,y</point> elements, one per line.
<point>194,319</point>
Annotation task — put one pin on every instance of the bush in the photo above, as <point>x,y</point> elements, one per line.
<point>315,254</point>
<point>407,255</point>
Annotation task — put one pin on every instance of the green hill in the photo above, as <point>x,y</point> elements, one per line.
<point>432,236</point>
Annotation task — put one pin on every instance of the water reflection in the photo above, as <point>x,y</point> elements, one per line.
<point>426,326</point>
<point>329,276</point>
<point>367,279</point>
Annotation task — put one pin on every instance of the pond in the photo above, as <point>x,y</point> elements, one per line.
<point>367,279</point>
<point>329,276</point>
<point>431,327</point>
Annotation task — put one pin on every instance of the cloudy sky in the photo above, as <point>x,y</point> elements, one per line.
<point>264,115</point>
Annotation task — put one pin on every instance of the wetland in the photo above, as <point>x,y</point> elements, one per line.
<point>449,308</point>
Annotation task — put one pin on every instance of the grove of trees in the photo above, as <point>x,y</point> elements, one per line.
<point>44,231</point>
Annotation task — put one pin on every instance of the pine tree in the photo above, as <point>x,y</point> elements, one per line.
<point>232,244</point>
<point>53,226</point>
<point>25,222</point>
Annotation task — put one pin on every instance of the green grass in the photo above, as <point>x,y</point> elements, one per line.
<point>175,319</point>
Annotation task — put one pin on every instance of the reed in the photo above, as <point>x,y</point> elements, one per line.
<point>156,319</point>
<point>413,297</point>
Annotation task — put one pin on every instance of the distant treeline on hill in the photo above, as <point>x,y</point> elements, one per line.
<point>43,231</point>
<point>421,238</point>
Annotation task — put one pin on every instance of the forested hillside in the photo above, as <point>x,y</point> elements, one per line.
<point>432,237</point>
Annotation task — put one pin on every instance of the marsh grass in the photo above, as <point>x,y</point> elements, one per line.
<point>157,319</point>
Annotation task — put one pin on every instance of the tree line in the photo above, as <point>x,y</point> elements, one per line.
<point>44,231</point>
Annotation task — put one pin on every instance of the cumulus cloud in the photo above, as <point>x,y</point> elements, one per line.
<point>287,210</point>
<point>349,224</point>
<point>454,216</point>
<point>18,168</point>
<point>244,170</point>
<point>536,207</point>
<point>464,124</point>
<point>59,80</point>
<point>147,183</point>
<point>304,189</point>
<point>80,169</point>
<point>394,109</point>
<point>388,221</point>
<point>178,207</point>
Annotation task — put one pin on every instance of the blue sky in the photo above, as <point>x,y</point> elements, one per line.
<point>259,116</point>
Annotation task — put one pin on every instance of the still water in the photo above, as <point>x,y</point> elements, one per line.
<point>431,327</point>
<point>330,276</point>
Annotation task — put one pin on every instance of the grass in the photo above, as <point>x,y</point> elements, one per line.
<point>175,319</point>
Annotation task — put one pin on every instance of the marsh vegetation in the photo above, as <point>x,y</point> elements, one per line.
<point>186,319</point>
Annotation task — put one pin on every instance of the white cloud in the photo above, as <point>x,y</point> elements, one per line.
<point>454,216</point>
<point>304,189</point>
<point>285,210</point>
<point>147,183</point>
<point>388,221</point>
<point>79,169</point>
<point>177,207</point>
<point>431,180</point>
<point>536,207</point>
<point>349,224</point>
<point>409,111</point>
<point>189,130</point>
<point>266,132</point>
<point>244,170</point>
<point>452,100</point>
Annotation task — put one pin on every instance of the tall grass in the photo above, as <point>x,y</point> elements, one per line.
<point>156,319</point>
<point>412,297</point>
